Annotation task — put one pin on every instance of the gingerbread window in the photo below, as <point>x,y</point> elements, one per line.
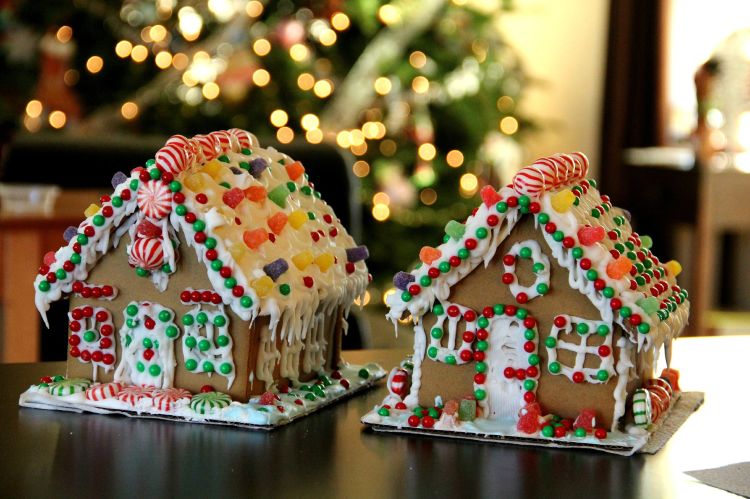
<point>580,349</point>
<point>530,251</point>
<point>207,344</point>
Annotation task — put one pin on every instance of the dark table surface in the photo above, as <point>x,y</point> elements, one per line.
<point>330,454</point>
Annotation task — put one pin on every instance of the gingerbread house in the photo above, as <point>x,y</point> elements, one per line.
<point>213,285</point>
<point>540,317</point>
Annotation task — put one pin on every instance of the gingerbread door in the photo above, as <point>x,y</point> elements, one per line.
<point>505,352</point>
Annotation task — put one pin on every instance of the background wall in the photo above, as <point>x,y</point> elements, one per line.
<point>563,45</point>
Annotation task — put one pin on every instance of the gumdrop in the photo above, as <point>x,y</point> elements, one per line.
<point>589,235</point>
<point>254,238</point>
<point>262,286</point>
<point>649,305</point>
<point>49,258</point>
<point>148,229</point>
<point>357,253</point>
<point>673,377</point>
<point>278,195</point>
<point>450,408</point>
<point>302,260</point>
<point>646,242</point>
<point>428,254</point>
<point>563,200</point>
<point>277,222</point>
<point>528,418</point>
<point>297,218</point>
<point>257,166</point>
<point>455,229</point>
<point>268,398</point>
<point>118,178</point>
<point>489,195</point>
<point>233,197</point>
<point>276,268</point>
<point>324,261</point>
<point>673,267</point>
<point>212,168</point>
<point>586,419</point>
<point>467,410</point>
<point>236,171</point>
<point>256,193</point>
<point>70,233</point>
<point>402,280</point>
<point>91,210</point>
<point>195,182</point>
<point>294,170</point>
<point>617,268</point>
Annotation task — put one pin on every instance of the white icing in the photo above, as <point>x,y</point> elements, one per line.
<point>504,395</point>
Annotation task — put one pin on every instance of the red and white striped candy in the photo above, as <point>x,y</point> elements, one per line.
<point>147,253</point>
<point>660,382</point>
<point>208,146</point>
<point>133,394</point>
<point>172,158</point>
<point>660,400</point>
<point>154,199</point>
<point>103,391</point>
<point>550,172</point>
<point>243,138</point>
<point>398,382</point>
<point>164,399</point>
<point>223,139</point>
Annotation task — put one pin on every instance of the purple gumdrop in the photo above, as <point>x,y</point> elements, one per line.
<point>402,280</point>
<point>70,233</point>
<point>118,178</point>
<point>627,214</point>
<point>257,166</point>
<point>276,268</point>
<point>236,171</point>
<point>357,253</point>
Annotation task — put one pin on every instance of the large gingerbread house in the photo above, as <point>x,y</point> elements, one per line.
<point>542,316</point>
<point>212,285</point>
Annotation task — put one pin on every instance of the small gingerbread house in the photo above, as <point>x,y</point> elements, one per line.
<point>214,272</point>
<point>543,303</point>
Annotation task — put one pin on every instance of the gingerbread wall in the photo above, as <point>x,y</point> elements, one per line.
<point>483,287</point>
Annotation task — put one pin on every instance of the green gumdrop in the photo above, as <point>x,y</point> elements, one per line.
<point>454,229</point>
<point>649,305</point>
<point>278,195</point>
<point>467,410</point>
<point>646,242</point>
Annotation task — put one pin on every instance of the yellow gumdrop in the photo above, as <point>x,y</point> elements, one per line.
<point>297,218</point>
<point>563,200</point>
<point>324,261</point>
<point>195,182</point>
<point>237,251</point>
<point>213,168</point>
<point>91,210</point>
<point>302,260</point>
<point>262,286</point>
<point>673,267</point>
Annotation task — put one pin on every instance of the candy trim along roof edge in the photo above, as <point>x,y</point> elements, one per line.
<point>569,211</point>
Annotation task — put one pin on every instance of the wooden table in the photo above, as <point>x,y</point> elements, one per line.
<point>330,454</point>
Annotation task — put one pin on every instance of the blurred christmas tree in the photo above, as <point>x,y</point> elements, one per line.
<point>422,92</point>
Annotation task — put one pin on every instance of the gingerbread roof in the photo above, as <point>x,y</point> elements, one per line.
<point>607,262</point>
<point>270,245</point>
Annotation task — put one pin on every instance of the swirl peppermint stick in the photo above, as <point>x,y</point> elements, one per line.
<point>550,172</point>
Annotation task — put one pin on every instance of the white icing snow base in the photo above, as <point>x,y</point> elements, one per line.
<point>252,415</point>
<point>504,431</point>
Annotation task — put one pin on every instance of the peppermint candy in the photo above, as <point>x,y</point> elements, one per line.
<point>132,395</point>
<point>172,158</point>
<point>550,172</point>
<point>147,253</point>
<point>103,391</point>
<point>243,138</point>
<point>222,139</point>
<point>206,403</point>
<point>208,146</point>
<point>66,387</point>
<point>166,398</point>
<point>154,199</point>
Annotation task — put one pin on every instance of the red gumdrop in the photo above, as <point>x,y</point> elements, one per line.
<point>589,235</point>
<point>489,195</point>
<point>268,398</point>
<point>528,418</point>
<point>586,419</point>
<point>148,229</point>
<point>233,197</point>
<point>49,258</point>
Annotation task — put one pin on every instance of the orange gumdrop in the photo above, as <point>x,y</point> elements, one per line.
<point>255,193</point>
<point>294,170</point>
<point>619,267</point>
<point>254,238</point>
<point>428,254</point>
<point>277,222</point>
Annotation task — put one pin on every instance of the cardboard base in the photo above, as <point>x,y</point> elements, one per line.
<point>483,430</point>
<point>253,415</point>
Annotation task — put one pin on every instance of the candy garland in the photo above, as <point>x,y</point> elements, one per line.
<point>526,250</point>
<point>91,338</point>
<point>210,352</point>
<point>84,289</point>
<point>586,329</point>
<point>146,340</point>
